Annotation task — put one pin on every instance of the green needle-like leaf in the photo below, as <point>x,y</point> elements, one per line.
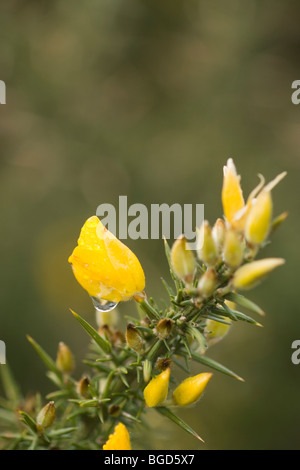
<point>215,365</point>
<point>173,417</point>
<point>48,361</point>
<point>244,302</point>
<point>102,343</point>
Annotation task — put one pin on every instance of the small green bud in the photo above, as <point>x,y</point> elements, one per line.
<point>64,359</point>
<point>133,338</point>
<point>46,417</point>
<point>83,387</point>
<point>164,327</point>
<point>147,370</point>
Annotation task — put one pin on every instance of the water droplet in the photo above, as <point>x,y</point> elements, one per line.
<point>103,305</point>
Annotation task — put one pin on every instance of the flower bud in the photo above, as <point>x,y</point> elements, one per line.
<point>83,387</point>
<point>46,417</point>
<point>156,391</point>
<point>114,410</point>
<point>119,440</point>
<point>133,338</point>
<point>105,332</point>
<point>207,283</point>
<point>249,275</point>
<point>218,233</point>
<point>118,338</point>
<point>147,370</point>
<point>164,327</point>
<point>232,195</point>
<point>64,359</point>
<point>107,317</point>
<point>163,363</point>
<point>215,331</point>
<point>233,249</point>
<point>259,219</point>
<point>191,389</point>
<point>182,259</point>
<point>207,249</point>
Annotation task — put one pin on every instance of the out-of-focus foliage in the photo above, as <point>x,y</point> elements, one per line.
<point>148,99</point>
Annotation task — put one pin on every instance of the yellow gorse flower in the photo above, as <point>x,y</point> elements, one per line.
<point>251,274</point>
<point>104,266</point>
<point>157,389</point>
<point>182,259</point>
<point>191,389</point>
<point>119,440</point>
<point>232,195</point>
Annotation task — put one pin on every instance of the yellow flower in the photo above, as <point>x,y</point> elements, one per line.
<point>104,266</point>
<point>249,275</point>
<point>157,389</point>
<point>191,389</point>
<point>233,248</point>
<point>259,219</point>
<point>232,195</point>
<point>119,440</point>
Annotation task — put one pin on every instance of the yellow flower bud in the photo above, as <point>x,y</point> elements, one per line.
<point>218,233</point>
<point>249,275</point>
<point>147,370</point>
<point>191,389</point>
<point>104,266</point>
<point>207,283</point>
<point>232,195</point>
<point>182,259</point>
<point>156,391</point>
<point>233,248</point>
<point>215,331</point>
<point>207,249</point>
<point>64,359</point>
<point>259,219</point>
<point>119,440</point>
<point>46,417</point>
<point>133,338</point>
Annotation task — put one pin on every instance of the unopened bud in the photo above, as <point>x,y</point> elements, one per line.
<point>156,391</point>
<point>118,338</point>
<point>218,233</point>
<point>114,410</point>
<point>207,283</point>
<point>207,249</point>
<point>105,332</point>
<point>232,195</point>
<point>83,387</point>
<point>147,370</point>
<point>164,327</point>
<point>133,338</point>
<point>46,417</point>
<point>215,331</point>
<point>64,359</point>
<point>191,389</point>
<point>183,260</point>
<point>258,222</point>
<point>251,274</point>
<point>233,249</point>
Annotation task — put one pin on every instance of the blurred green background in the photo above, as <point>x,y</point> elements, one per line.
<point>148,98</point>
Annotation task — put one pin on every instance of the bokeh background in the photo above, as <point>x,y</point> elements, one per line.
<point>148,98</point>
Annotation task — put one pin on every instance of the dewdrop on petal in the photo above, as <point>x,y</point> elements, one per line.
<point>182,259</point>
<point>206,248</point>
<point>191,389</point>
<point>119,440</point>
<point>233,248</point>
<point>251,274</point>
<point>156,391</point>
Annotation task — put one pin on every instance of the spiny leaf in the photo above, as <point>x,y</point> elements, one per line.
<point>102,343</point>
<point>244,302</point>
<point>10,387</point>
<point>29,421</point>
<point>61,432</point>
<point>173,417</point>
<point>48,361</point>
<point>215,365</point>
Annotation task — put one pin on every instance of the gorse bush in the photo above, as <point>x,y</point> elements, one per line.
<point>130,371</point>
